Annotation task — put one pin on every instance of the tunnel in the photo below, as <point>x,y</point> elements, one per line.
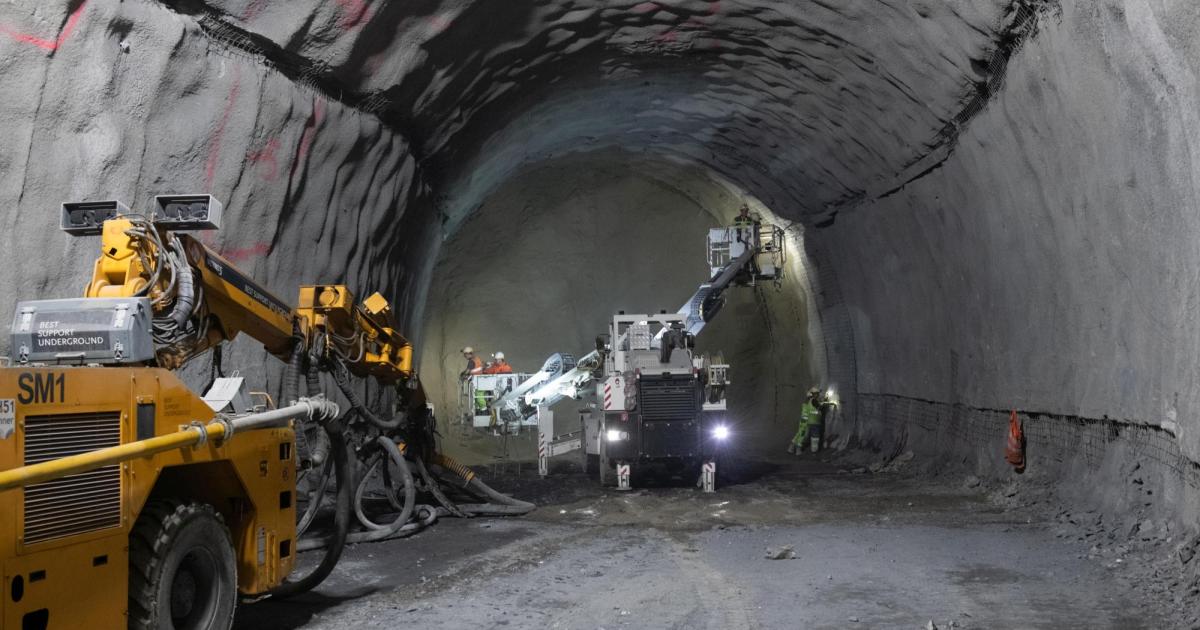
<point>988,208</point>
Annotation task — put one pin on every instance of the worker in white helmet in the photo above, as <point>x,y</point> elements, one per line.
<point>498,365</point>
<point>474,365</point>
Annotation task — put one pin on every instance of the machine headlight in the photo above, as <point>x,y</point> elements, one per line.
<point>614,435</point>
<point>720,432</point>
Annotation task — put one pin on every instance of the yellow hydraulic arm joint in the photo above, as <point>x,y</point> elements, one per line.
<point>133,262</point>
<point>125,263</point>
<point>361,335</point>
<point>200,300</point>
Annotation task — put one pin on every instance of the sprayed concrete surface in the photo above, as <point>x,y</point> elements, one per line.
<point>890,549</point>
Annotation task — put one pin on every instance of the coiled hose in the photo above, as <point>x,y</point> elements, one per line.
<point>410,488</point>
<point>426,515</point>
<point>344,469</point>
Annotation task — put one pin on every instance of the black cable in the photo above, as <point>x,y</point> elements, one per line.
<point>435,489</point>
<point>343,464</point>
<point>341,376</point>
<point>410,489</point>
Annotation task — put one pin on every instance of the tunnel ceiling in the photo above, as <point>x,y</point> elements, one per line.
<point>810,105</point>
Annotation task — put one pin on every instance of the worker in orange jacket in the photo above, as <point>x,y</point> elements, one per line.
<point>474,364</point>
<point>499,366</point>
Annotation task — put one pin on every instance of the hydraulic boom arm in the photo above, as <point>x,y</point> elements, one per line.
<point>549,386</point>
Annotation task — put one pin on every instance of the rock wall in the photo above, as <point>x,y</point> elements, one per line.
<point>996,195</point>
<point>126,100</point>
<point>1048,265</point>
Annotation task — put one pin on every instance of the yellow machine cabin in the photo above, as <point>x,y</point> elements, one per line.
<point>64,536</point>
<point>127,500</point>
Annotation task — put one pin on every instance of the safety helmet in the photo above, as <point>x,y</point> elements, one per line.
<point>499,356</point>
<point>813,391</point>
<point>468,350</point>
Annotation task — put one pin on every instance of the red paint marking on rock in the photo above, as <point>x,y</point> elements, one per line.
<point>267,156</point>
<point>439,23</point>
<point>354,12</point>
<point>310,132</point>
<point>242,254</point>
<point>254,9</point>
<point>50,45</point>
<point>645,7</point>
<point>214,144</point>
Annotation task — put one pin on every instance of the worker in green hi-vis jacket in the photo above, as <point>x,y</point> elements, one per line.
<point>809,415</point>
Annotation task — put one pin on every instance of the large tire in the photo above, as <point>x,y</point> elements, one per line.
<point>182,569</point>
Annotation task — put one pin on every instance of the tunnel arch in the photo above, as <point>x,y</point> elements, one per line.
<point>970,176</point>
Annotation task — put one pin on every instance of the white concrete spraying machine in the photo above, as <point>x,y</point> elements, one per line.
<point>648,400</point>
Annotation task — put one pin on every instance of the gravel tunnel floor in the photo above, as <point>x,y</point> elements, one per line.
<point>871,550</point>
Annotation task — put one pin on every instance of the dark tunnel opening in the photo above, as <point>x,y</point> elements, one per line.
<point>550,256</point>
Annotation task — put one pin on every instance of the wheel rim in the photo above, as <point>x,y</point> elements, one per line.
<point>194,589</point>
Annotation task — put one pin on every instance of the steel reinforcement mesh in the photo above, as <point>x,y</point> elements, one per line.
<point>1057,437</point>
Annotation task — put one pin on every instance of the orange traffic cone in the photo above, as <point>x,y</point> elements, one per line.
<point>1014,451</point>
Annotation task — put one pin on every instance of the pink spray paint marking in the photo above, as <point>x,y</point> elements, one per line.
<point>267,156</point>
<point>49,45</point>
<point>253,10</point>
<point>354,12</point>
<point>214,144</point>
<point>234,254</point>
<point>645,7</point>
<point>310,131</point>
<point>692,24</point>
<point>439,23</point>
<point>242,254</point>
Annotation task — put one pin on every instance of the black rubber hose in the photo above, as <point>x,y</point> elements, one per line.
<point>316,496</point>
<point>312,380</point>
<point>427,515</point>
<point>478,486</point>
<point>435,489</point>
<point>410,488</point>
<point>475,484</point>
<point>291,375</point>
<point>185,294</point>
<point>489,509</point>
<point>341,376</point>
<point>317,441</point>
<point>343,463</point>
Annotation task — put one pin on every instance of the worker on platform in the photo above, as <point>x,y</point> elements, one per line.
<point>745,232</point>
<point>809,415</point>
<point>744,224</point>
<point>498,365</point>
<point>474,364</point>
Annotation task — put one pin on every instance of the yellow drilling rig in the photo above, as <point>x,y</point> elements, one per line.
<point>129,500</point>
